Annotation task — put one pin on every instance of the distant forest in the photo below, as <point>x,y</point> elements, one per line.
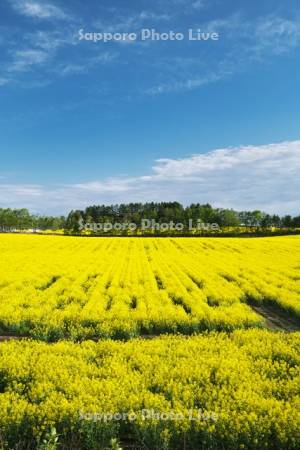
<point>164,212</point>
<point>21,219</point>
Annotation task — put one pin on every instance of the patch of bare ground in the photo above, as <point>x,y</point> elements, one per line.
<point>10,338</point>
<point>276,319</point>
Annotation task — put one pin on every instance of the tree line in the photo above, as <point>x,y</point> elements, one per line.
<point>21,219</point>
<point>162,212</point>
<point>165,212</point>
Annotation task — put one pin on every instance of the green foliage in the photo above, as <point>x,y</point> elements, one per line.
<point>166,212</point>
<point>114,445</point>
<point>21,219</point>
<point>50,441</point>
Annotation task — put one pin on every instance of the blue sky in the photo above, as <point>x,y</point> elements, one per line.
<point>84,122</point>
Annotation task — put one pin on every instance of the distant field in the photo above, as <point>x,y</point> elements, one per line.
<point>55,287</point>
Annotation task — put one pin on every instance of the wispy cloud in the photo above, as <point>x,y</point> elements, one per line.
<point>252,177</point>
<point>121,22</point>
<point>51,40</point>
<point>182,85</point>
<point>245,42</point>
<point>39,9</point>
<point>184,67</point>
<point>24,60</point>
<point>86,65</point>
<point>161,12</point>
<point>37,50</point>
<point>187,7</point>
<point>38,55</point>
<point>4,81</point>
<point>277,35</point>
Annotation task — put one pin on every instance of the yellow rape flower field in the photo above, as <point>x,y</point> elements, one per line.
<point>68,287</point>
<point>149,343</point>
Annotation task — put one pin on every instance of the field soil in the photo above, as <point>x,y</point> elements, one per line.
<point>277,320</point>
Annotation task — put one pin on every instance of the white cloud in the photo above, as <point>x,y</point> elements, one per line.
<point>282,157</point>
<point>253,177</point>
<point>18,193</point>
<point>40,10</point>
